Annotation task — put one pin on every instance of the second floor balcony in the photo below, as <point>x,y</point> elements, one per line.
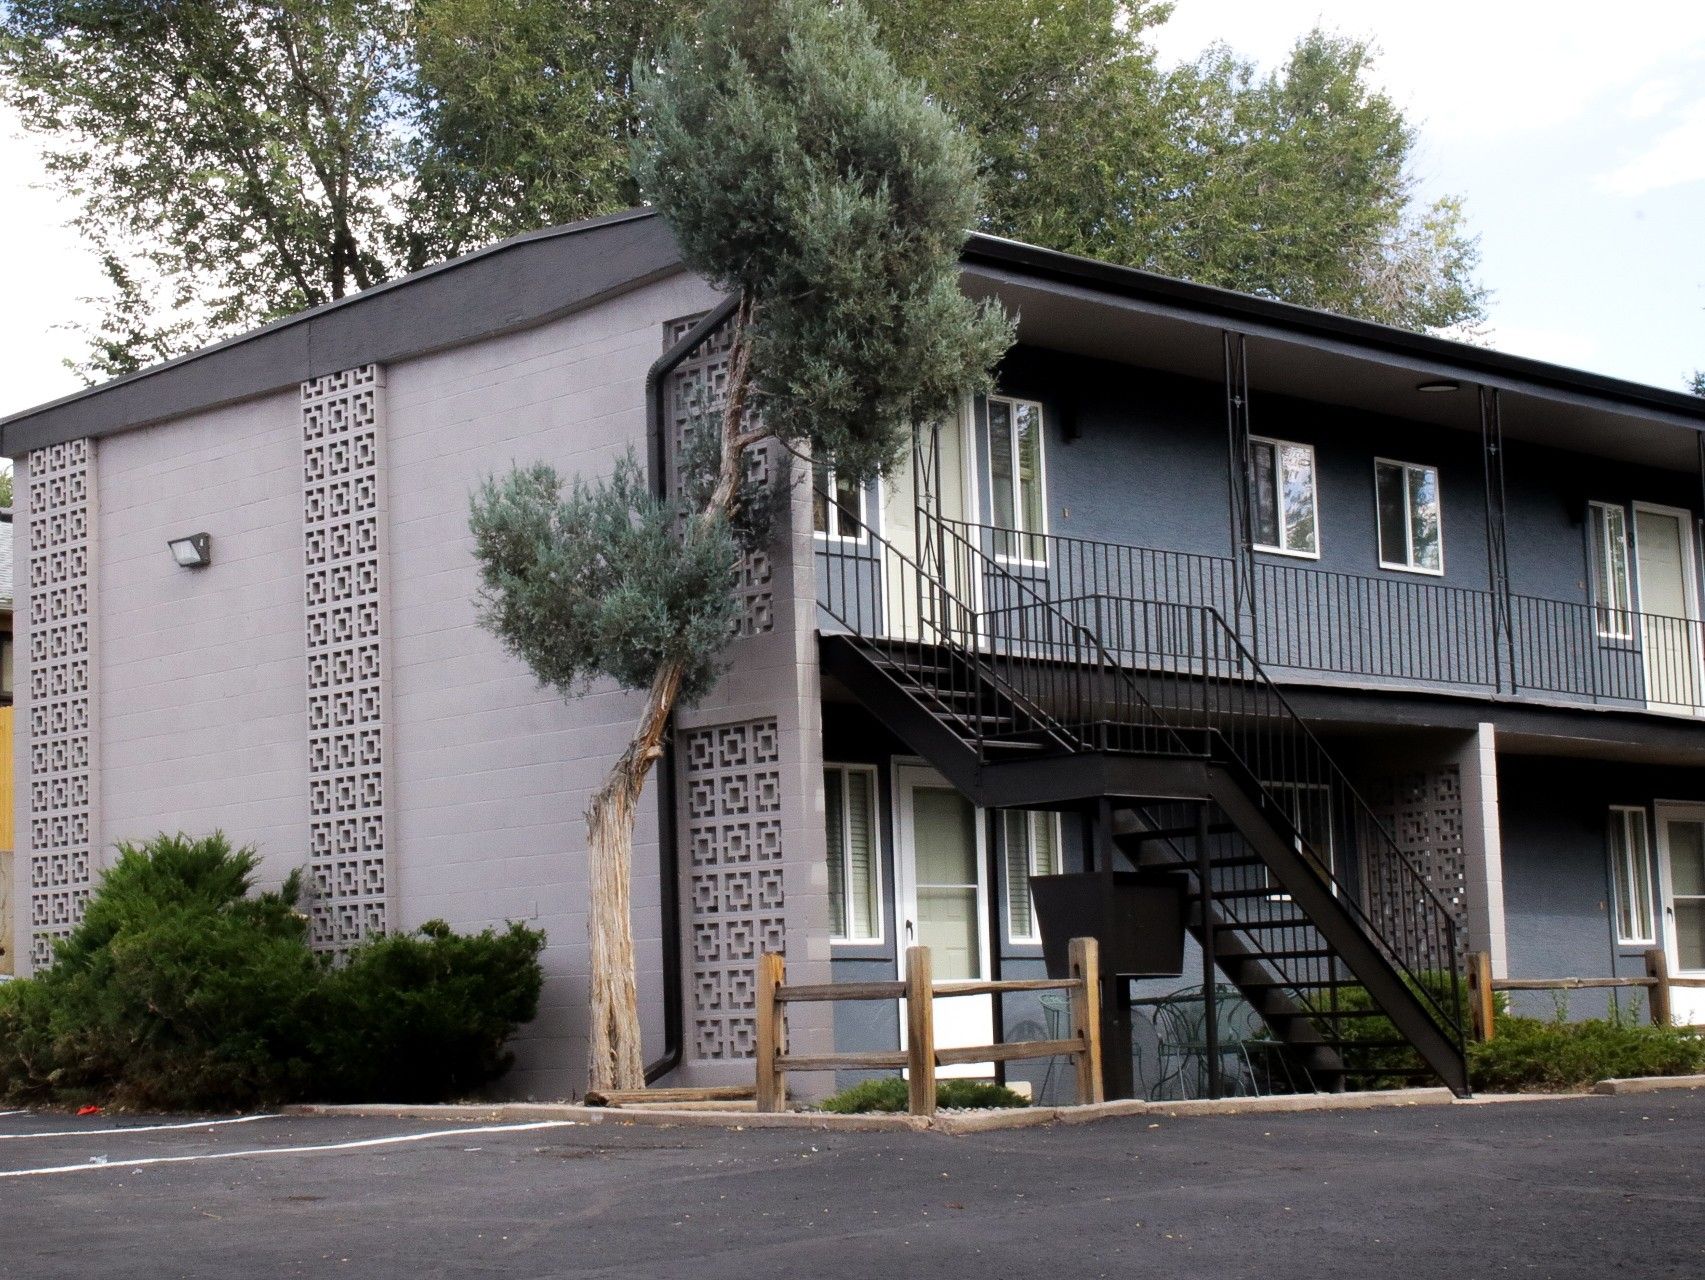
<point>1304,625</point>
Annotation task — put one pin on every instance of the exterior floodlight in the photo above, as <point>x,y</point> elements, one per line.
<point>193,552</point>
<point>1439,387</point>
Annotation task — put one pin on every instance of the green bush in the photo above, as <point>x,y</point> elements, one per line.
<point>182,989</point>
<point>889,1093</point>
<point>1525,1054</point>
<point>1534,1054</point>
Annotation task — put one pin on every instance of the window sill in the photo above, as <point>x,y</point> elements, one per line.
<point>1281,551</point>
<point>1411,568</point>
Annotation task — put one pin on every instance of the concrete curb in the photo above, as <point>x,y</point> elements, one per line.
<point>952,1123</point>
<point>1649,1084</point>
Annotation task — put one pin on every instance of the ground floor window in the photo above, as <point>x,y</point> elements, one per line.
<point>855,888</point>
<point>1032,849</point>
<point>1631,874</point>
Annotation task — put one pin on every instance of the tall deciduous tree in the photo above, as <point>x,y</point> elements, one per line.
<point>239,161</point>
<point>806,177</point>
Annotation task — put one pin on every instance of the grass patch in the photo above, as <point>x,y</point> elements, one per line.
<point>889,1094</point>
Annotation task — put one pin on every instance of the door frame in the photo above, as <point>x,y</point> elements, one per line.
<point>908,772</point>
<point>1662,811</point>
<point>1689,591</point>
<point>888,491</point>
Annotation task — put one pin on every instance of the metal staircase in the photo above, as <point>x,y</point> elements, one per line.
<point>1024,697</point>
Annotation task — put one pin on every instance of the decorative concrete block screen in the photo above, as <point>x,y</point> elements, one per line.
<point>344,542</point>
<point>1424,812</point>
<point>733,786</point>
<point>59,503</point>
<point>698,388</point>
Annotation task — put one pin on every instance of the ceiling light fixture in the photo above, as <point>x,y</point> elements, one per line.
<point>1440,386</point>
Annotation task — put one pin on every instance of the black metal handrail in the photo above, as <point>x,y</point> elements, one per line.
<point>1196,674</point>
<point>885,598</point>
<point>1299,619</point>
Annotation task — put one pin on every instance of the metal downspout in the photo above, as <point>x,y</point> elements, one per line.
<point>668,835</point>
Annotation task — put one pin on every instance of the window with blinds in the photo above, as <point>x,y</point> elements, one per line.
<point>1032,849</point>
<point>855,880</point>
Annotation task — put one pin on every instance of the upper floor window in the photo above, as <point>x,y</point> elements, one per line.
<point>1015,478</point>
<point>1631,872</point>
<point>1032,849</point>
<point>1411,534</point>
<point>1282,477</point>
<point>837,507</point>
<point>855,880</point>
<point>1612,586</point>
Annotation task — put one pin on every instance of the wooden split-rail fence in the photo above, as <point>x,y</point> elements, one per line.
<point>921,1056</point>
<point>1658,981</point>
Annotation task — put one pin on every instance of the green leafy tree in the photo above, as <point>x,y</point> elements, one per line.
<point>234,163</point>
<point>829,197</point>
<point>1696,384</point>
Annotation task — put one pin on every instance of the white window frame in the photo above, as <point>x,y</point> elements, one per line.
<point>832,513</point>
<point>1622,859</point>
<point>1279,495</point>
<point>1032,816</point>
<point>1619,613</point>
<point>1408,517</point>
<point>1280,791</point>
<point>879,936</point>
<point>1020,533</point>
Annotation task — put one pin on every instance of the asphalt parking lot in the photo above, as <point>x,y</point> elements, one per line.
<point>1588,1187</point>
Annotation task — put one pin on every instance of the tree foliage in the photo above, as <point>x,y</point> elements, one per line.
<point>604,579</point>
<point>237,162</point>
<point>829,198</point>
<point>832,194</point>
<point>182,988</point>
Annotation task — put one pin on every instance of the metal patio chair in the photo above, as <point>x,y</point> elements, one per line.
<point>1180,1027</point>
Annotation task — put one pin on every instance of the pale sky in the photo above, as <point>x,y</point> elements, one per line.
<point>1575,132</point>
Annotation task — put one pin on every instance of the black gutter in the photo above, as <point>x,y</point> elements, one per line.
<point>668,834</point>
<point>1305,322</point>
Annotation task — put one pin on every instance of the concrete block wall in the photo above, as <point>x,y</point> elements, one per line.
<point>491,774</point>
<point>202,719</point>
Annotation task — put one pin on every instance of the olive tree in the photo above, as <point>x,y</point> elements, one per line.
<point>829,198</point>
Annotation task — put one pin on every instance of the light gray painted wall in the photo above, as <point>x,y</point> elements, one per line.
<point>492,774</point>
<point>203,717</point>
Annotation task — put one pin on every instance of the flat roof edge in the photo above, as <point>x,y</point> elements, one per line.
<point>515,284</point>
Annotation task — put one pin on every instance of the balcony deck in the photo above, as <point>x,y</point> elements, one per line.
<point>1323,628</point>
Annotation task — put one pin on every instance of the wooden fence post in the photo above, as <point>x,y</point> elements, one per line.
<point>1085,960</point>
<point>772,1082</point>
<point>1657,968</point>
<point>1482,1003</point>
<point>920,1032</point>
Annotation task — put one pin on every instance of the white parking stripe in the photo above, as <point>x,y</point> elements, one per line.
<point>134,1128</point>
<point>11,1113</point>
<point>289,1151</point>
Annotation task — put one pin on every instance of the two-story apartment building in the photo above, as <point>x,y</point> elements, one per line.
<point>1382,648</point>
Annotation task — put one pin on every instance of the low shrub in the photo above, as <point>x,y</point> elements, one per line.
<point>889,1093</point>
<point>1529,1054</point>
<point>184,989</point>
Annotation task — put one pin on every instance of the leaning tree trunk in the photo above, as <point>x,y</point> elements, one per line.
<point>615,1060</point>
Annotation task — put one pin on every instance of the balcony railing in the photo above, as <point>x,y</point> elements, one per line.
<point>1311,625</point>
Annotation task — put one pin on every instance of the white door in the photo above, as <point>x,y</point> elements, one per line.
<point>1663,548</point>
<point>1681,874</point>
<point>944,903</point>
<point>914,611</point>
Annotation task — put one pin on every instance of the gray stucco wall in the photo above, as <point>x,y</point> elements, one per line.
<point>202,717</point>
<point>492,774</point>
<point>1556,869</point>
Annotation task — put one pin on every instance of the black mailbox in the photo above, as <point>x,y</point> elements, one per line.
<point>1136,917</point>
